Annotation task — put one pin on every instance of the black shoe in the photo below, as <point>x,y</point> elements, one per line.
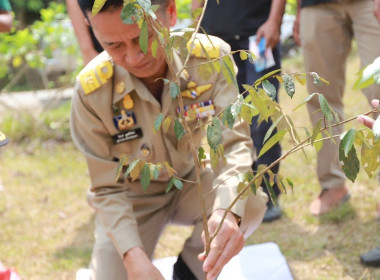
<point>272,213</point>
<point>181,271</point>
<point>371,258</point>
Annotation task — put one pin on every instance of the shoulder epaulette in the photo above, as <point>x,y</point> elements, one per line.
<point>92,77</point>
<point>202,44</point>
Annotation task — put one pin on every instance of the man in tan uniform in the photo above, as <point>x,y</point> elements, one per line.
<point>122,83</point>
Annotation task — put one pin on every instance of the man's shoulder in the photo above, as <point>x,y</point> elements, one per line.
<point>96,73</point>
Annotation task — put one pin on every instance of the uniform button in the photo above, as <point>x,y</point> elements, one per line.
<point>145,150</point>
<point>237,37</point>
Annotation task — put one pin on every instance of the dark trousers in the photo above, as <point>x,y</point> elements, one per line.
<point>248,75</point>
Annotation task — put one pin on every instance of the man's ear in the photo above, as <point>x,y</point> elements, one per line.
<point>172,12</point>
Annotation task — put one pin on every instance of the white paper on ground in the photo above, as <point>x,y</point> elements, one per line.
<point>259,262</point>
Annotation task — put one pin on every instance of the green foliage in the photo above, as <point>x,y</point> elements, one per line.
<point>33,46</point>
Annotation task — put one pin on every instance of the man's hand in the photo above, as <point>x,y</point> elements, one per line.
<point>376,9</point>
<point>227,243</point>
<point>139,266</point>
<point>271,32</point>
<point>367,121</point>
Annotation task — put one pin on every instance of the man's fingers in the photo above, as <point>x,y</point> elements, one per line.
<point>367,121</point>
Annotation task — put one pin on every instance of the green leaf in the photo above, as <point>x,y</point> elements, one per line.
<point>289,85</point>
<point>158,122</point>
<point>316,131</point>
<point>178,129</point>
<point>98,5</point>
<point>266,76</point>
<point>290,183</point>
<point>156,172</point>
<point>201,154</point>
<point>144,37</point>
<point>129,14</point>
<point>154,47</point>
<point>270,130</point>
<point>325,107</point>
<point>136,170</point>
<point>272,195</point>
<point>272,141</point>
<point>145,4</point>
<point>351,164</point>
<point>214,134</point>
<point>145,177</point>
<point>214,158</point>
<point>228,118</point>
<point>270,89</point>
<point>174,90</point>
<point>348,141</point>
<point>178,184</point>
<point>307,99</point>
<point>170,184</point>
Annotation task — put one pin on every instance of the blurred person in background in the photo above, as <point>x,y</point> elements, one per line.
<point>372,257</point>
<point>325,30</point>
<point>88,44</point>
<point>6,18</point>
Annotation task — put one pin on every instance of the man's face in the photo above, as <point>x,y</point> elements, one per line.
<point>121,41</point>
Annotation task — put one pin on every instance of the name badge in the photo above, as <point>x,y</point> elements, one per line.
<point>127,135</point>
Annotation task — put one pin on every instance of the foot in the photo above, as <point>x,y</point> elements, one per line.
<point>371,258</point>
<point>328,199</point>
<point>272,213</point>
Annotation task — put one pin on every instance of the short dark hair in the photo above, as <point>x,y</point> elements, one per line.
<point>86,5</point>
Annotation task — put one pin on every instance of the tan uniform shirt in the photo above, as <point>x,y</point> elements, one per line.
<point>101,92</point>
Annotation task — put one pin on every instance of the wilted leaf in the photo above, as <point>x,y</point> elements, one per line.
<point>171,171</point>
<point>205,71</point>
<point>289,85</point>
<point>229,71</point>
<point>301,78</point>
<point>214,134</point>
<point>370,160</point>
<point>351,164</point>
<point>122,161</point>
<point>270,89</point>
<point>136,170</point>
<point>243,55</point>
<point>167,123</point>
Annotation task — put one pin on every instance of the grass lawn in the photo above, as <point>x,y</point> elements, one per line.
<point>46,225</point>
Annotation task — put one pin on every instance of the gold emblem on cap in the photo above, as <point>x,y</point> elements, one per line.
<point>128,102</point>
<point>120,87</point>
